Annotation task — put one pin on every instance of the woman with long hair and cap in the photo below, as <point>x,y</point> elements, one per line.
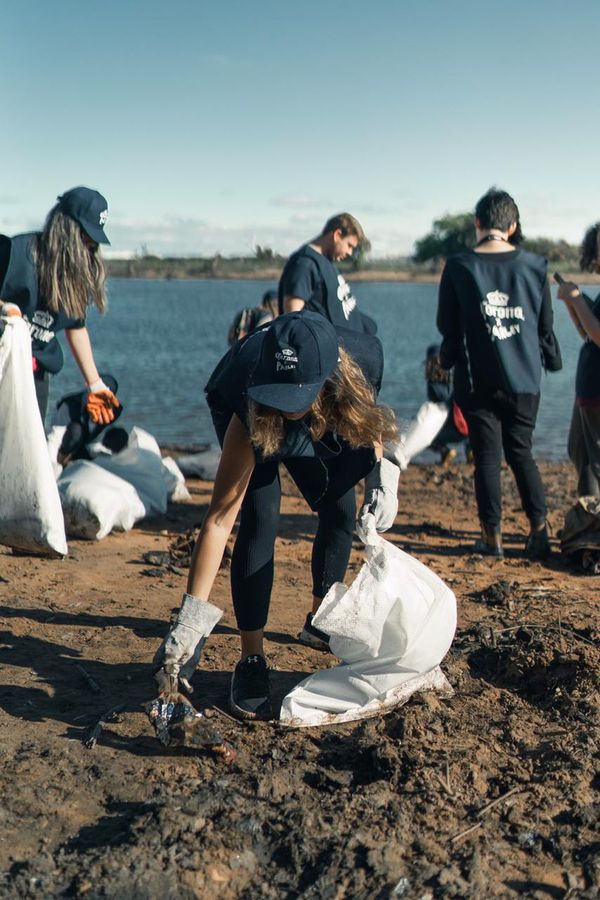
<point>292,393</point>
<point>50,278</point>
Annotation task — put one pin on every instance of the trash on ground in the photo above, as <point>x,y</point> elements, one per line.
<point>178,724</point>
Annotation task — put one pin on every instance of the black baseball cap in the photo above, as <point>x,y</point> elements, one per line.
<point>89,209</point>
<point>300,351</point>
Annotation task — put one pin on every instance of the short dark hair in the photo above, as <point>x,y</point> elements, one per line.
<point>590,249</point>
<point>347,224</point>
<point>497,209</point>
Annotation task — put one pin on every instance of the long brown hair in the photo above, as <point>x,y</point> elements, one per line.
<point>346,405</point>
<point>71,274</point>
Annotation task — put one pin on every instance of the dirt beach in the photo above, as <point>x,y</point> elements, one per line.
<point>493,793</point>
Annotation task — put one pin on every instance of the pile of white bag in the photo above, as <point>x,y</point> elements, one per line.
<point>391,628</point>
<point>116,490</point>
<point>30,514</point>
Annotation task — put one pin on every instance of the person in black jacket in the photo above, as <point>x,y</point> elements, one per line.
<point>495,316</point>
<point>584,434</point>
<point>289,392</point>
<point>50,278</point>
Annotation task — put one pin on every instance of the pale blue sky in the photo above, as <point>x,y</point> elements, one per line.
<point>215,126</point>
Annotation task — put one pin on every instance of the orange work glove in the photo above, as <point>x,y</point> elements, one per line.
<point>100,405</point>
<point>9,309</point>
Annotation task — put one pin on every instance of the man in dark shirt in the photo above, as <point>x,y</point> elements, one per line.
<point>311,280</point>
<point>495,317</point>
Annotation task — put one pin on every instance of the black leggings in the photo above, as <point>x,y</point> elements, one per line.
<point>505,421</point>
<point>252,563</point>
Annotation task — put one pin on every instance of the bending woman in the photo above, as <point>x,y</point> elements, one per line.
<point>584,434</point>
<point>289,392</point>
<point>51,278</point>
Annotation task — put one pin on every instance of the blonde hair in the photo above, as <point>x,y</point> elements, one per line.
<point>345,405</point>
<point>71,274</point>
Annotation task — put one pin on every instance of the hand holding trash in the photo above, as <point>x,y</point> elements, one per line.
<point>9,309</point>
<point>381,494</point>
<point>100,403</point>
<point>180,652</point>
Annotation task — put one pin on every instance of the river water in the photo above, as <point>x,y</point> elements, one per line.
<point>161,340</point>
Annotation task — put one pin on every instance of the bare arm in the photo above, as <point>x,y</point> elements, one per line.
<point>81,348</point>
<point>575,320</point>
<point>583,318</point>
<point>293,304</point>
<point>235,469</point>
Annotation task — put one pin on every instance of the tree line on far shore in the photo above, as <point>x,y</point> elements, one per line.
<point>449,234</point>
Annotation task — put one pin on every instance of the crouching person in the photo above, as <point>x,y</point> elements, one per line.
<point>288,393</point>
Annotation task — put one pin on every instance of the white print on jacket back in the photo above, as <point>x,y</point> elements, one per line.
<point>499,316</point>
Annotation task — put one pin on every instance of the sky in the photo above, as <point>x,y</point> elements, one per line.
<point>216,126</point>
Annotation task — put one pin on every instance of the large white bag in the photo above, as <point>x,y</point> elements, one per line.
<point>96,502</point>
<point>392,627</point>
<point>30,513</point>
<point>140,464</point>
<point>201,465</point>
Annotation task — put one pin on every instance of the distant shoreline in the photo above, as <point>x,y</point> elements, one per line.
<point>361,275</point>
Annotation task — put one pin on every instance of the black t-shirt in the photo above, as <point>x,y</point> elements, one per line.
<point>587,378</point>
<point>19,284</point>
<point>312,277</point>
<point>495,316</point>
<point>323,470</point>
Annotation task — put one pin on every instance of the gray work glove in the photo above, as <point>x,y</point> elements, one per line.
<point>381,494</point>
<point>180,652</point>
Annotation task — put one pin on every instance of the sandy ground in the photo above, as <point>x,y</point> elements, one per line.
<point>493,793</point>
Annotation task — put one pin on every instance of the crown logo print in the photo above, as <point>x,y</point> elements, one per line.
<point>103,217</point>
<point>497,298</point>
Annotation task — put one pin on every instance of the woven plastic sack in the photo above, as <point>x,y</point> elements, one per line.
<point>96,502</point>
<point>391,628</point>
<point>31,517</point>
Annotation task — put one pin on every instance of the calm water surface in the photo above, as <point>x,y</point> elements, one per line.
<point>161,340</point>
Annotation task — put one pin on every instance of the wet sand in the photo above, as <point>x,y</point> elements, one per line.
<point>493,793</point>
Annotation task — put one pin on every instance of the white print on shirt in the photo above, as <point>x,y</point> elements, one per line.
<point>497,315</point>
<point>344,295</point>
<point>103,217</point>
<point>41,325</point>
<point>286,360</point>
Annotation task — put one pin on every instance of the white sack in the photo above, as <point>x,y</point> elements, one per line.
<point>96,502</point>
<point>177,491</point>
<point>140,464</point>
<point>30,514</point>
<point>202,465</point>
<point>392,627</point>
<point>420,433</point>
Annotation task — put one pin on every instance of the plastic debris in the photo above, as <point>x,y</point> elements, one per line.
<point>178,724</point>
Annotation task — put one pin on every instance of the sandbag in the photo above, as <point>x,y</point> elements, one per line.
<point>202,465</point>
<point>392,627</point>
<point>140,464</point>
<point>31,518</point>
<point>96,502</point>
<point>177,489</point>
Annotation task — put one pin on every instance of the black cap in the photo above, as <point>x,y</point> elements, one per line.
<point>89,209</point>
<point>300,351</point>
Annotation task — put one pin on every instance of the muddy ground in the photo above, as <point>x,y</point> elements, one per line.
<point>493,793</point>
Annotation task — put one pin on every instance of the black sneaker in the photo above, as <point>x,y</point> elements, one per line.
<point>538,545</point>
<point>313,637</point>
<point>250,696</point>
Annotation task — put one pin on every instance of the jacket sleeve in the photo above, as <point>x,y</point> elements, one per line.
<point>448,320</point>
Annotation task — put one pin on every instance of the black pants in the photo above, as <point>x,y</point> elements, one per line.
<point>252,564</point>
<point>253,555</point>
<point>505,421</point>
